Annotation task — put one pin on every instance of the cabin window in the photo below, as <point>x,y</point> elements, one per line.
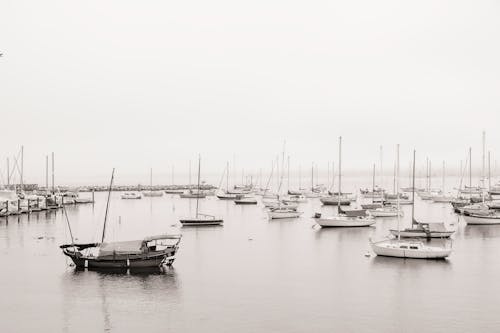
<point>414,247</point>
<point>403,247</point>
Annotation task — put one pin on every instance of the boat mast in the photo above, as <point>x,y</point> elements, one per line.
<point>22,169</point>
<point>373,184</point>
<point>381,170</point>
<point>288,175</point>
<point>172,174</point>
<point>397,191</point>
<point>340,171</point>
<point>46,174</point>
<point>53,186</point>
<point>489,171</point>
<point>482,172</point>
<point>312,177</point>
<point>412,192</point>
<point>198,192</point>
<point>470,173</point>
<point>8,173</point>
<point>151,180</point>
<point>107,206</point>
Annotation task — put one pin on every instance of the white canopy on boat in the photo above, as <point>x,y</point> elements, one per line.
<point>164,236</point>
<point>126,247</point>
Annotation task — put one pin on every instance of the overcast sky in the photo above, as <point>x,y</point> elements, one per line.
<point>140,84</point>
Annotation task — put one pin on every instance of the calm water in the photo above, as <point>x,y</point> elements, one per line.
<point>251,275</point>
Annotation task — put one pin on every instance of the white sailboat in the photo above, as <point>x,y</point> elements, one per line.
<point>443,196</point>
<point>152,193</point>
<point>343,218</point>
<point>201,219</point>
<point>408,248</point>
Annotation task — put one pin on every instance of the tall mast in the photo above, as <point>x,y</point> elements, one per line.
<point>46,173</point>
<point>107,206</point>
<point>53,184</point>
<point>8,173</point>
<point>470,173</point>
<point>381,170</point>
<point>489,171</point>
<point>22,168</point>
<point>397,190</point>
<point>151,180</point>
<point>340,171</point>
<point>412,192</point>
<point>288,175</point>
<point>427,174</point>
<point>373,183</point>
<point>394,179</point>
<point>312,177</point>
<point>430,175</point>
<point>198,192</point>
<point>482,172</point>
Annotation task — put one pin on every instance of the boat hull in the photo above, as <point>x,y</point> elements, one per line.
<point>132,261</point>
<point>337,222</point>
<point>421,233</point>
<point>480,220</point>
<point>201,222</point>
<point>397,252</point>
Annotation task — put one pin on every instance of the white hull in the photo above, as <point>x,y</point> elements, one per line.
<point>422,234</point>
<point>384,213</point>
<point>393,249</point>
<point>480,220</point>
<point>344,221</point>
<point>284,215</point>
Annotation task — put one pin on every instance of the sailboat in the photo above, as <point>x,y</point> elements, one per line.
<point>227,195</point>
<point>408,248</point>
<point>442,197</point>
<point>356,218</point>
<point>151,193</point>
<point>152,251</point>
<point>384,210</point>
<point>201,219</point>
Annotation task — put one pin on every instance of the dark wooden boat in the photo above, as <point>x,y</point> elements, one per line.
<point>144,253</point>
<point>148,252</point>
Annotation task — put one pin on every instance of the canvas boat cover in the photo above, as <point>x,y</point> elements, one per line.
<point>121,248</point>
<point>158,237</point>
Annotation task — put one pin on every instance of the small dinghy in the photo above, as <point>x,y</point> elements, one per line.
<point>131,195</point>
<point>388,211</point>
<point>283,212</point>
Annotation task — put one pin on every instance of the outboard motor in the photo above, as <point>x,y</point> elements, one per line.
<point>317,215</point>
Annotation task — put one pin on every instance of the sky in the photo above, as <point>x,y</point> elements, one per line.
<point>150,84</point>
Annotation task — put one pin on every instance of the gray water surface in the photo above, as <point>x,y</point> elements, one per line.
<point>250,275</point>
